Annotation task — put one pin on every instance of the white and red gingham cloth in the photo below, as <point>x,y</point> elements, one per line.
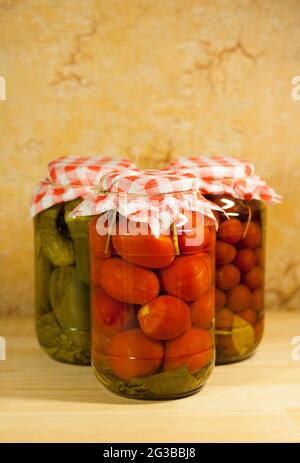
<point>225,175</point>
<point>72,177</point>
<point>159,198</point>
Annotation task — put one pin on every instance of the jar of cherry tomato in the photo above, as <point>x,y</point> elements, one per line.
<point>62,268</point>
<point>240,251</point>
<point>152,244</point>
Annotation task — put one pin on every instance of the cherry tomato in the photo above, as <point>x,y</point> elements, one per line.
<point>145,250</point>
<point>238,298</point>
<point>164,318</point>
<point>126,282</point>
<point>188,277</point>
<point>98,243</point>
<point>110,316</point>
<point>132,354</point>
<point>245,260</point>
<point>195,234</point>
<point>225,253</point>
<point>224,319</point>
<point>248,315</point>
<point>257,300</point>
<point>202,311</point>
<point>228,276</point>
<point>254,278</point>
<point>231,231</point>
<point>220,299</point>
<point>253,237</point>
<point>194,349</point>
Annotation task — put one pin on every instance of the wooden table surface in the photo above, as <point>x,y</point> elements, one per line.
<point>257,400</point>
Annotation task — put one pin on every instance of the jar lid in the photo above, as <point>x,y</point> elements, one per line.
<point>72,177</point>
<point>149,182</point>
<point>156,197</point>
<point>215,167</point>
<point>226,175</point>
<point>70,170</point>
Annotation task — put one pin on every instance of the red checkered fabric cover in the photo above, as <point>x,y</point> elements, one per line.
<point>225,175</point>
<point>73,177</point>
<point>156,197</point>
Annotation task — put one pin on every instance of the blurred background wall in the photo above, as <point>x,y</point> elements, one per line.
<point>150,79</point>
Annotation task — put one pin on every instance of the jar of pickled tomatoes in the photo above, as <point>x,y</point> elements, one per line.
<point>240,251</point>
<point>152,244</point>
<point>62,267</point>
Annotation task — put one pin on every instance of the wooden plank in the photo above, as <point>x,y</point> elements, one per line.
<point>257,400</point>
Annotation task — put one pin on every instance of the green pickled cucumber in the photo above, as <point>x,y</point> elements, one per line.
<point>78,227</point>
<point>48,330</point>
<point>55,240</point>
<point>43,271</point>
<point>70,299</point>
<point>63,345</point>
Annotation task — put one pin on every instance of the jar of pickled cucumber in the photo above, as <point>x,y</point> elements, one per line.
<point>62,268</point>
<point>240,251</point>
<point>152,244</point>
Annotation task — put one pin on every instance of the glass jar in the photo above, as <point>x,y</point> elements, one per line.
<point>62,278</point>
<point>152,306</point>
<point>240,276</point>
<point>62,268</point>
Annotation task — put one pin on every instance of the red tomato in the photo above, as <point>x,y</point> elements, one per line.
<point>225,253</point>
<point>126,282</point>
<point>188,277</point>
<point>231,231</point>
<point>202,311</point>
<point>228,276</point>
<point>245,260</point>
<point>131,354</point>
<point>253,236</point>
<point>193,349</point>
<point>108,315</point>
<point>165,317</point>
<point>224,319</point>
<point>145,250</point>
<point>99,243</point>
<point>254,278</point>
<point>194,236</point>
<point>238,298</point>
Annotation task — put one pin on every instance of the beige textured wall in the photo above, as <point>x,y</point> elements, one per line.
<point>153,79</point>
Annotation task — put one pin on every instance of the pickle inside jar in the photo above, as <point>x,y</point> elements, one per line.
<point>62,299</point>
